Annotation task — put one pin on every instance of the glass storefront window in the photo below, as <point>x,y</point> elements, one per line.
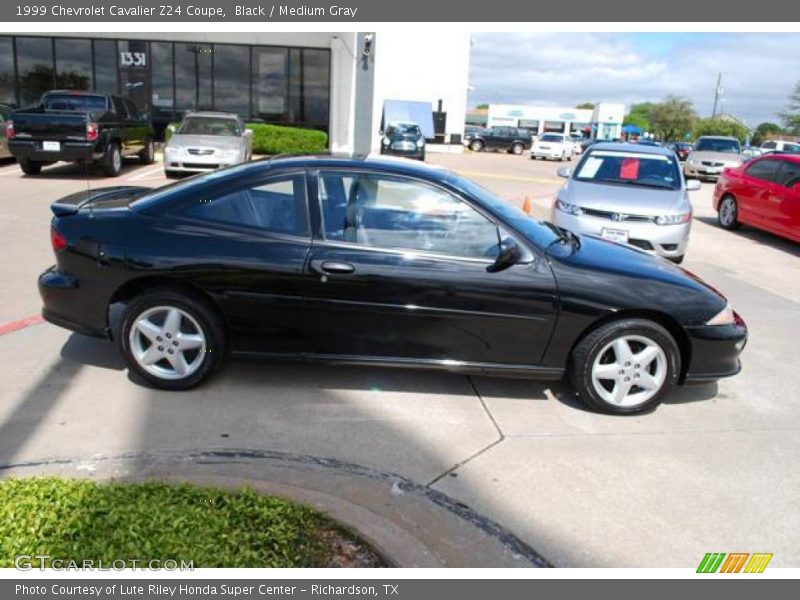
<point>270,83</point>
<point>193,76</point>
<point>316,86</point>
<point>232,78</point>
<point>163,99</point>
<point>73,64</point>
<point>105,66</point>
<point>35,68</point>
<point>8,94</point>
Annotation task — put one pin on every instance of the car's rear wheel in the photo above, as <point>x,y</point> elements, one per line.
<point>30,167</point>
<point>476,145</point>
<point>171,339</point>
<point>625,367</point>
<point>112,161</point>
<point>517,149</point>
<point>728,213</point>
<point>147,156</point>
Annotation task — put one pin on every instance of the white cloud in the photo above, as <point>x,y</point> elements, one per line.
<point>759,70</point>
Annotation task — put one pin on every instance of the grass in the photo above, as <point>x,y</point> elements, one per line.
<point>82,520</point>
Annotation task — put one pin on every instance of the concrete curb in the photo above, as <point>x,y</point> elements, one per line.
<point>410,524</point>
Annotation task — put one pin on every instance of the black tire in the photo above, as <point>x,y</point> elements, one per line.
<point>199,309</point>
<point>517,149</point>
<point>112,161</point>
<point>147,156</point>
<point>587,351</point>
<point>476,145</point>
<point>726,222</point>
<point>30,167</point>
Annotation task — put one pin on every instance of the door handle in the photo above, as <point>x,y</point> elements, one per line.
<point>332,267</point>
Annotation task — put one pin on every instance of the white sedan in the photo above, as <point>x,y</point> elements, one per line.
<point>557,146</point>
<point>205,141</point>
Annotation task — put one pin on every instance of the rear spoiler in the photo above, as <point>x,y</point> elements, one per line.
<point>69,205</point>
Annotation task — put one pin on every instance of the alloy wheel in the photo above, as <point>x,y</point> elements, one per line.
<point>629,371</point>
<point>167,342</point>
<point>727,212</point>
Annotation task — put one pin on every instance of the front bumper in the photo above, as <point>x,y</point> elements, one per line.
<point>70,151</point>
<point>548,153</point>
<point>418,153</point>
<point>669,241</point>
<point>715,351</point>
<point>702,171</point>
<point>185,163</point>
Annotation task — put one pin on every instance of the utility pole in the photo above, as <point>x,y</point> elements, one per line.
<point>717,96</point>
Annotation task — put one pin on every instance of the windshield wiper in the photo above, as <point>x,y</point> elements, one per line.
<point>638,183</point>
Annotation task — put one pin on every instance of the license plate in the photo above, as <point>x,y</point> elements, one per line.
<point>51,146</point>
<point>544,147</point>
<point>614,235</point>
<point>713,170</point>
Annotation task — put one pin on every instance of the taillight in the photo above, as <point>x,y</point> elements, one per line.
<point>58,241</point>
<point>10,130</point>
<point>91,132</point>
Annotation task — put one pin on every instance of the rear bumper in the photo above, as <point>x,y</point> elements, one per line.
<point>70,151</point>
<point>65,305</point>
<point>417,153</point>
<point>715,351</point>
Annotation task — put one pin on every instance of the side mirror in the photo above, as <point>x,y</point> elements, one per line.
<point>692,185</point>
<point>247,133</point>
<point>796,187</point>
<point>508,255</point>
<point>564,172</point>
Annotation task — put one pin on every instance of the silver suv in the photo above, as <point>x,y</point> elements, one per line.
<point>630,194</point>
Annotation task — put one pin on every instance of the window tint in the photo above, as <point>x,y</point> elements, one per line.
<point>789,175</point>
<point>192,76</point>
<point>232,78</point>
<point>34,68</point>
<point>73,64</point>
<point>277,206</point>
<point>105,66</point>
<point>393,212</point>
<point>76,102</point>
<point>763,169</point>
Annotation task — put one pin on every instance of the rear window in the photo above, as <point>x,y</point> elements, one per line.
<point>75,102</point>
<point>630,168</point>
<point>550,137</point>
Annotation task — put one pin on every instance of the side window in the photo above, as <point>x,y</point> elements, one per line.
<point>394,212</point>
<point>789,174</point>
<point>119,106</point>
<point>276,206</point>
<point>133,112</point>
<point>769,145</point>
<point>763,169</point>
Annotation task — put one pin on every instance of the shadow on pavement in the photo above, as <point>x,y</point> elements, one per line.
<point>758,236</point>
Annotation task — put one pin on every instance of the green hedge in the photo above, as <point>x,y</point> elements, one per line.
<point>278,139</point>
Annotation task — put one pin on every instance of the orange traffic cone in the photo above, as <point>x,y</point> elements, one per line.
<point>526,205</point>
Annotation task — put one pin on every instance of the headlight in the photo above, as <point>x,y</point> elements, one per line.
<point>571,209</point>
<point>227,153</point>
<point>173,150</point>
<point>727,316</point>
<point>420,142</point>
<point>674,219</point>
<point>386,141</point>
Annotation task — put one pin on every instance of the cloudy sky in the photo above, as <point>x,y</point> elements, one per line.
<point>759,71</point>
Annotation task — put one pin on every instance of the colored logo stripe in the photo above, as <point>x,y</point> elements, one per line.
<point>758,563</point>
<point>711,562</point>
<point>735,561</point>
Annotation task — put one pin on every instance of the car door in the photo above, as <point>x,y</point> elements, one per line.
<point>134,126</point>
<point>398,271</point>
<point>785,200</point>
<point>491,137</point>
<point>753,194</point>
<point>249,244</point>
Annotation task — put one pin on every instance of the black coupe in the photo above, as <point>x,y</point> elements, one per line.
<point>376,262</point>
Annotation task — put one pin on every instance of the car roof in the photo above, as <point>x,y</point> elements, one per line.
<point>212,113</point>
<point>629,147</point>
<point>718,137</point>
<point>371,161</point>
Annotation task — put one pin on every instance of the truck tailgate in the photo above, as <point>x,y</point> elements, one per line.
<point>50,125</point>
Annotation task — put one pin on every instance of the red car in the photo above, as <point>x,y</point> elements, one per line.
<point>764,193</point>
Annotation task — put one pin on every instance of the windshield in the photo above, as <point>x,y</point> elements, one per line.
<point>209,126</point>
<point>630,168</point>
<point>791,148</point>
<point>402,129</point>
<point>717,145</point>
<point>76,102</point>
<point>551,137</point>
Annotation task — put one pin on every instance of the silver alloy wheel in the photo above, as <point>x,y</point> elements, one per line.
<point>727,211</point>
<point>116,159</point>
<point>629,371</point>
<point>167,342</point>
<point>150,152</point>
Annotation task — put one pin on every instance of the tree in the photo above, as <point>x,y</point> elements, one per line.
<point>637,120</point>
<point>639,115</point>
<point>720,126</point>
<point>673,118</point>
<point>482,106</point>
<point>586,105</point>
<point>791,118</point>
<point>766,131</point>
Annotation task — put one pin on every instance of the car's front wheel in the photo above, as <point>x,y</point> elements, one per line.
<point>626,366</point>
<point>728,213</point>
<point>147,155</point>
<point>476,145</point>
<point>171,339</point>
<point>112,161</point>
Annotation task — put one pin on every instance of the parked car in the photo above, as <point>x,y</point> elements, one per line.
<point>403,139</point>
<point>510,139</point>
<point>375,262</point>
<point>681,149</point>
<point>205,141</point>
<point>471,131</point>
<point>780,146</point>
<point>557,146</point>
<point>710,155</point>
<point>628,193</point>
<point>764,193</point>
<point>83,127</point>
<point>5,114</point>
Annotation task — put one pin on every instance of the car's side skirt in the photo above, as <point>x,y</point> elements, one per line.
<point>458,366</point>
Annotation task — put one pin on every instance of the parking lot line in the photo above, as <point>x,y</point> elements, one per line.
<point>20,324</point>
<point>11,170</point>
<point>144,175</point>
<point>508,177</point>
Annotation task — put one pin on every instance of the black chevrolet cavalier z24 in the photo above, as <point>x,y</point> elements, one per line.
<point>376,262</point>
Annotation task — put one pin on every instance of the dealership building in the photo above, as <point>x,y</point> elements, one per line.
<point>339,82</point>
<point>604,122</point>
